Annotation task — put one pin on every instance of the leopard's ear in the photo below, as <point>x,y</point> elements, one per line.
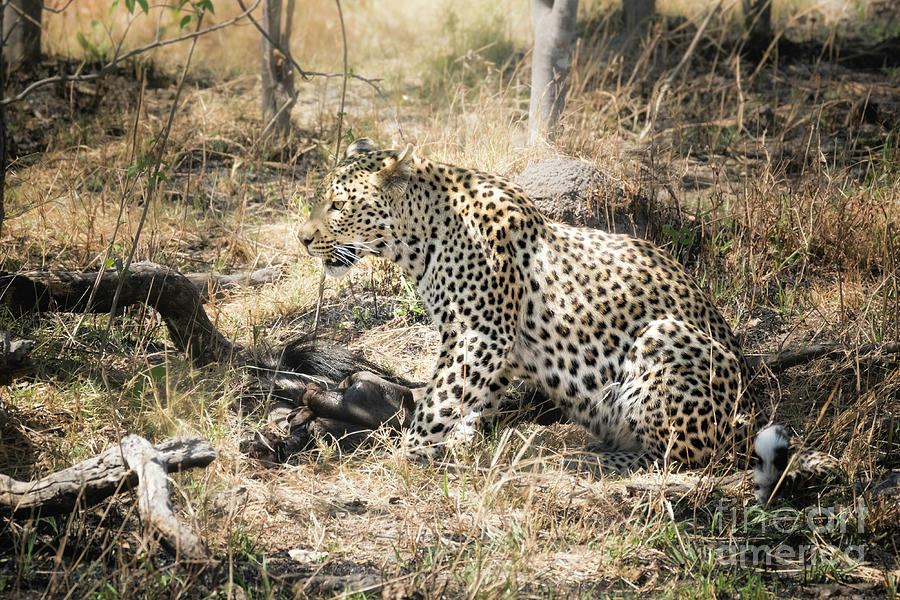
<point>394,175</point>
<point>359,146</point>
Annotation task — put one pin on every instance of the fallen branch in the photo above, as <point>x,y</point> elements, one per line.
<point>170,293</point>
<point>208,284</point>
<point>153,500</point>
<point>781,361</point>
<point>96,478</point>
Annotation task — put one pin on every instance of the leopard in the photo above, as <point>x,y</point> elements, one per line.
<point>609,326</point>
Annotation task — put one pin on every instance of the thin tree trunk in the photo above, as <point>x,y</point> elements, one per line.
<point>553,22</point>
<point>22,33</point>
<point>3,59</point>
<point>2,138</point>
<point>637,14</point>
<point>758,24</point>
<point>277,72</point>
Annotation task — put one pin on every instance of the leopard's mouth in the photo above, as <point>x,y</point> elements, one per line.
<point>340,262</point>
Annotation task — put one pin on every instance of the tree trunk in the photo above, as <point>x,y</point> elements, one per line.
<point>553,22</point>
<point>277,71</point>
<point>22,33</point>
<point>758,25</point>
<point>3,141</point>
<point>637,14</point>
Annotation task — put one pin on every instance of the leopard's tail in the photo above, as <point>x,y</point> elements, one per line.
<point>783,469</point>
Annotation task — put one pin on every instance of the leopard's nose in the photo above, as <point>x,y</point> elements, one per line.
<point>305,236</point>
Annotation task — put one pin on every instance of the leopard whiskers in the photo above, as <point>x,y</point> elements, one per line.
<point>367,246</point>
<point>344,256</point>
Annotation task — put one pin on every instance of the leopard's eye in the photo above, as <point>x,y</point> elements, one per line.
<point>337,205</point>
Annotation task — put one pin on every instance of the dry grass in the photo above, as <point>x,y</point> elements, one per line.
<point>787,178</point>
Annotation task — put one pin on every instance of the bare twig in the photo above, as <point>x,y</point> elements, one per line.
<point>315,332</point>
<point>340,115</point>
<point>57,11</point>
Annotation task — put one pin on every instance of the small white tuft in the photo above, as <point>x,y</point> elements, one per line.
<point>771,439</point>
<point>772,450</point>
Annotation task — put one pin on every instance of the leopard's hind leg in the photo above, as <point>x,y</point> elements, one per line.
<point>678,399</point>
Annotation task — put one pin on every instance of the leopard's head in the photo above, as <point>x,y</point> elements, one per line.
<point>351,214</point>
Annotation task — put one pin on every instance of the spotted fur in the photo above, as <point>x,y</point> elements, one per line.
<point>608,326</point>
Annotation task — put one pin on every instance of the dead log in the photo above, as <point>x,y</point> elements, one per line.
<point>170,293</point>
<point>209,284</point>
<point>96,478</point>
<point>153,500</point>
<point>777,362</point>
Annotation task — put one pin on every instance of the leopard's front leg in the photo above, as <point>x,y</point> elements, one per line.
<point>468,381</point>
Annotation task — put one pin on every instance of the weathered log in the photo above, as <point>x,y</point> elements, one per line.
<point>170,293</point>
<point>208,284</point>
<point>96,478</point>
<point>781,361</point>
<point>153,500</point>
